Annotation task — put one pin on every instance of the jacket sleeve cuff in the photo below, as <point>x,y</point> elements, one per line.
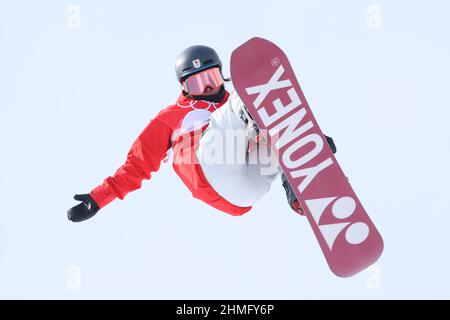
<point>102,195</point>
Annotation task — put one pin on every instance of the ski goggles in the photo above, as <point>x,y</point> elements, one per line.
<point>197,83</point>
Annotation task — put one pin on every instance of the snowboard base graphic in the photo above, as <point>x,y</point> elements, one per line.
<point>266,83</point>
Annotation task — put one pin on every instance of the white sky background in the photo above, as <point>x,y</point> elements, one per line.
<point>72,100</point>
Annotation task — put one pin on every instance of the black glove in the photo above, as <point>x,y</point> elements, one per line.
<point>83,211</point>
<point>331,143</point>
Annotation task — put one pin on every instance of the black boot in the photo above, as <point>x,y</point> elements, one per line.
<point>290,195</point>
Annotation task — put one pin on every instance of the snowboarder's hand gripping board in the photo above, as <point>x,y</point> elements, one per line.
<point>266,83</point>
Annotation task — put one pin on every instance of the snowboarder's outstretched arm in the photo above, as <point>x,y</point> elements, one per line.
<point>144,157</point>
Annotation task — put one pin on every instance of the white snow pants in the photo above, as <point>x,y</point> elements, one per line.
<point>239,169</point>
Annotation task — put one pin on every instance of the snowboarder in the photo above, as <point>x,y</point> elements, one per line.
<point>192,132</point>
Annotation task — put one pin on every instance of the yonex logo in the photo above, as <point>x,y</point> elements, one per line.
<point>342,209</point>
<point>293,133</point>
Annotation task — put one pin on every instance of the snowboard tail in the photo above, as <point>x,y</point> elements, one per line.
<point>266,83</point>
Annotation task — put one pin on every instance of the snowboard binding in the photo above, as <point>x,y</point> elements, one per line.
<point>291,197</point>
<point>250,123</point>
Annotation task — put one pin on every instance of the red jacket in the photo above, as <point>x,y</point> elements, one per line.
<point>172,129</point>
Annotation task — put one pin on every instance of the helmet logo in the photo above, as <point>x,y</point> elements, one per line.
<point>196,63</point>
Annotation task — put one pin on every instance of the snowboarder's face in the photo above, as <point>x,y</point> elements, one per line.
<point>210,91</point>
<point>205,83</point>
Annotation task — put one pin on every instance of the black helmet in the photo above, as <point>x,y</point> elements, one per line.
<point>195,59</point>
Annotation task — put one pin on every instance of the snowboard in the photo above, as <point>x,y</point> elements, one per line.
<point>265,81</point>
